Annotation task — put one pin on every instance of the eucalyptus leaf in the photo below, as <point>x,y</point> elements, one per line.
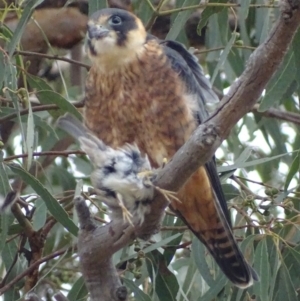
<point>46,95</point>
<point>223,56</point>
<point>138,293</point>
<point>215,289</point>
<point>294,169</point>
<point>199,254</point>
<point>208,12</point>
<point>166,285</point>
<point>279,83</point>
<point>78,290</point>
<point>285,290</point>
<point>30,136</point>
<point>95,5</point>
<point>180,20</point>
<point>262,265</point>
<point>27,12</point>
<point>52,204</point>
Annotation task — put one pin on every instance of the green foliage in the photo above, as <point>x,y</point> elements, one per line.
<point>259,166</point>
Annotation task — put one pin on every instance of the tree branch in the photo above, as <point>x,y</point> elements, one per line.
<point>38,108</point>
<point>46,153</point>
<point>32,267</point>
<point>52,57</point>
<point>278,114</point>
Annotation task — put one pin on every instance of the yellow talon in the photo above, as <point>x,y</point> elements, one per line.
<point>145,173</point>
<point>165,161</point>
<point>126,214</point>
<point>169,195</point>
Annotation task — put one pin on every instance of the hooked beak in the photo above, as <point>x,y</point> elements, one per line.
<point>96,31</point>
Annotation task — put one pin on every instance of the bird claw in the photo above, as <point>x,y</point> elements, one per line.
<point>169,195</point>
<point>127,216</point>
<point>145,174</point>
<point>164,162</point>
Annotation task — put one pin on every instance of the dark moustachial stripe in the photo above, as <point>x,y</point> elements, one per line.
<point>128,22</point>
<point>91,47</point>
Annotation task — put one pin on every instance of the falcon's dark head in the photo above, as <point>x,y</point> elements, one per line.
<point>114,35</point>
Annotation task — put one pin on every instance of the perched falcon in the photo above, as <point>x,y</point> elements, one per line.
<point>151,92</point>
<point>120,177</point>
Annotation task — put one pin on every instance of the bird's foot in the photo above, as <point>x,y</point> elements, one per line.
<point>146,174</point>
<point>165,161</point>
<point>169,195</point>
<point>127,216</point>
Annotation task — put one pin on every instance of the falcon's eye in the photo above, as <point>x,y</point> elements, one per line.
<point>115,20</point>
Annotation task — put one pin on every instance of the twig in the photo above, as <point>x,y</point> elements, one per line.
<point>247,189</point>
<point>203,5</point>
<point>32,267</point>
<point>52,57</point>
<point>155,13</point>
<point>39,108</point>
<point>244,214</point>
<point>222,47</point>
<point>46,153</point>
<point>275,113</point>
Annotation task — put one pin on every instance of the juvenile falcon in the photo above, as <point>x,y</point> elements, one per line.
<point>150,92</point>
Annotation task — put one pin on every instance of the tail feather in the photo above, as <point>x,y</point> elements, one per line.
<point>202,212</point>
<point>77,130</point>
<point>72,126</point>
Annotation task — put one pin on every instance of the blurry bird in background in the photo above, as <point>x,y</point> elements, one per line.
<point>121,177</point>
<point>153,93</point>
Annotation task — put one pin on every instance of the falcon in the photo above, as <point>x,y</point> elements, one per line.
<point>152,93</point>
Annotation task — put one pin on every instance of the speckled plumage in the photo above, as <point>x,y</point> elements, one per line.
<point>153,94</point>
<point>120,176</point>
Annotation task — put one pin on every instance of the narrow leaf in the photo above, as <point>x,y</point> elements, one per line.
<point>40,215</point>
<point>244,156</point>
<point>30,136</point>
<point>95,5</point>
<point>138,293</point>
<point>285,290</point>
<point>207,12</point>
<point>262,266</point>
<point>296,52</point>
<point>249,163</point>
<point>27,12</point>
<point>294,169</point>
<point>2,69</point>
<point>53,206</point>
<point>223,56</point>
<point>244,9</point>
<point>161,243</point>
<point>46,95</point>
<point>215,288</point>
<point>279,83</point>
<point>78,290</point>
<point>180,20</point>
<point>9,254</point>
<point>6,219</point>
<point>198,252</point>
<point>166,284</point>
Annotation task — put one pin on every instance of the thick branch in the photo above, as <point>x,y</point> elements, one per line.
<point>96,245</point>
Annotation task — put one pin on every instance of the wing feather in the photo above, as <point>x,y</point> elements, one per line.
<point>186,65</point>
